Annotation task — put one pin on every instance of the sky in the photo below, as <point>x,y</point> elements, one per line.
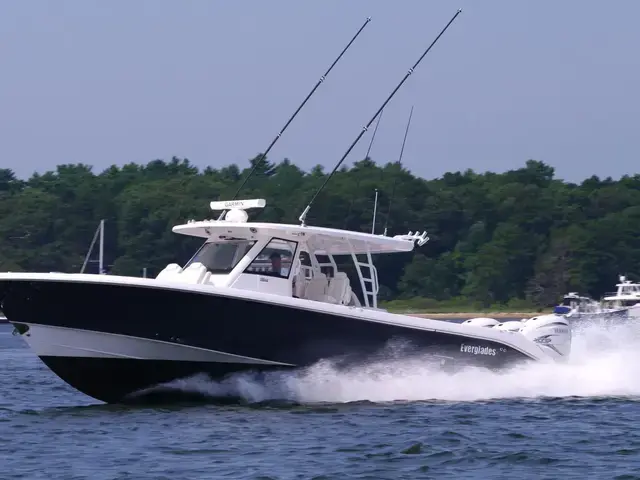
<point>105,83</point>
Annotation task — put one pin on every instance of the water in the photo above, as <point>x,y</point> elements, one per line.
<point>384,422</point>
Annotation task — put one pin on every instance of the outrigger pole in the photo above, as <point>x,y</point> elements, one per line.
<point>322,78</point>
<point>303,217</point>
<point>395,178</point>
<point>373,137</point>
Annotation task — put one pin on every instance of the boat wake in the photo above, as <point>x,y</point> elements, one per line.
<point>605,361</point>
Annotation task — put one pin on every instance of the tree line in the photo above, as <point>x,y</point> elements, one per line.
<point>496,238</point>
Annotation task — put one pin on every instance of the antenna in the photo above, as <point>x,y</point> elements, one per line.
<point>346,219</point>
<point>322,78</point>
<point>375,209</point>
<point>303,217</point>
<point>395,178</point>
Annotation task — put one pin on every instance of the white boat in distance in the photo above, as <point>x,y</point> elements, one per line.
<point>582,307</point>
<point>627,297</point>
<point>219,315</point>
<point>621,305</point>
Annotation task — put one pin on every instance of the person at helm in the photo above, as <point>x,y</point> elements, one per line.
<point>276,265</point>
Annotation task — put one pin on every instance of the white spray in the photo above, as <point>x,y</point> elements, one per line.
<point>605,361</point>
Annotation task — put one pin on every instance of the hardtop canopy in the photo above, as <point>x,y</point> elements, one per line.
<point>321,240</point>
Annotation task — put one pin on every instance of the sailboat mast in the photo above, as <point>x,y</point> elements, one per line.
<point>99,236</point>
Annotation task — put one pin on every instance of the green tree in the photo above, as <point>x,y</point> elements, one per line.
<point>495,237</point>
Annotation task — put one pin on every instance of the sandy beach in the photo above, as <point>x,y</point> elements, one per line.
<point>464,316</point>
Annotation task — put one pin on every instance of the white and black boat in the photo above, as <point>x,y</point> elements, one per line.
<point>222,313</point>
<point>112,336</point>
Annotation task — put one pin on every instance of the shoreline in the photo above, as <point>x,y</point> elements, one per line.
<point>453,315</point>
<point>439,316</point>
<point>466,316</point>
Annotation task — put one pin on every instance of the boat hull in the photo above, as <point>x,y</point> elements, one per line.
<point>111,340</point>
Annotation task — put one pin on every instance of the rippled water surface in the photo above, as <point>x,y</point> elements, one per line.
<point>385,422</point>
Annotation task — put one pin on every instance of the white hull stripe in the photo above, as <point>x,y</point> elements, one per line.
<point>47,340</point>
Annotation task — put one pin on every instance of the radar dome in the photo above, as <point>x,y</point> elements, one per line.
<point>236,216</point>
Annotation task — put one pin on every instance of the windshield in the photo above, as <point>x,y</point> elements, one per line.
<point>275,259</point>
<point>222,257</point>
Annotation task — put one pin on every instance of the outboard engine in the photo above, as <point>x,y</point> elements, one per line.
<point>512,326</point>
<point>481,322</point>
<point>551,332</point>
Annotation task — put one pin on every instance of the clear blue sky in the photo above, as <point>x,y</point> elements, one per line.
<point>113,82</point>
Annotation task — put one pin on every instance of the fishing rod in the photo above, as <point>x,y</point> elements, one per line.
<point>322,79</point>
<point>303,217</point>
<point>395,178</point>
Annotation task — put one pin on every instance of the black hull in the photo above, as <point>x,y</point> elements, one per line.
<point>241,327</point>
<point>117,380</point>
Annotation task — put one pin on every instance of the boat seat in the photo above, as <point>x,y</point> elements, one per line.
<point>170,272</point>
<point>194,273</point>
<point>339,290</point>
<point>317,288</point>
<point>300,285</point>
